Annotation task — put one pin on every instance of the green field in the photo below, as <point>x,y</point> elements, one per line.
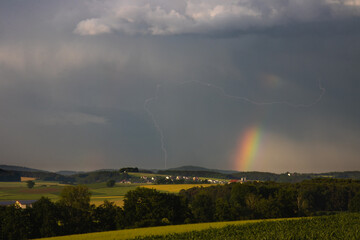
<point>99,191</point>
<point>19,190</point>
<point>341,226</point>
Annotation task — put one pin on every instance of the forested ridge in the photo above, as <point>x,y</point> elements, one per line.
<point>13,173</point>
<point>9,176</point>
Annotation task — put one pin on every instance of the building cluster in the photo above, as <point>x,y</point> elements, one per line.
<point>241,180</point>
<point>19,203</point>
<point>171,180</point>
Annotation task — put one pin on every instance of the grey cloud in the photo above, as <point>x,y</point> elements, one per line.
<point>72,118</point>
<point>92,27</point>
<point>210,16</point>
<point>337,151</point>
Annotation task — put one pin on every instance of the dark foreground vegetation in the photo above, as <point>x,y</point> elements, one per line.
<point>143,207</point>
<point>340,226</point>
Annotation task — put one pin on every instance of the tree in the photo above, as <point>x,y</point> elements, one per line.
<point>75,210</point>
<point>15,223</point>
<point>110,183</point>
<point>129,169</point>
<point>354,204</point>
<point>106,216</point>
<point>287,200</point>
<point>222,210</point>
<point>30,184</point>
<point>76,197</point>
<point>45,217</point>
<point>148,207</point>
<point>203,207</point>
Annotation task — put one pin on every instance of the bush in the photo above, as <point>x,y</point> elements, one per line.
<point>110,183</point>
<point>30,184</point>
<point>354,204</point>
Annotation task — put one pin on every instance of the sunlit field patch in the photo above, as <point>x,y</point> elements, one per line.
<point>174,188</point>
<point>132,233</point>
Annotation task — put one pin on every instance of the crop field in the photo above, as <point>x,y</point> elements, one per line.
<point>132,233</point>
<point>341,226</point>
<point>114,194</point>
<point>24,179</point>
<point>174,188</point>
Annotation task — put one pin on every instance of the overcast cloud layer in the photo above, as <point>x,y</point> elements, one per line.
<point>209,16</point>
<point>86,85</point>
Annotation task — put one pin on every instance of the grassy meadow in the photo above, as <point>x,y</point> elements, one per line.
<point>20,191</point>
<point>341,226</point>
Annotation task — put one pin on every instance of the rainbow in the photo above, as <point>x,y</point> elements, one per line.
<point>247,148</point>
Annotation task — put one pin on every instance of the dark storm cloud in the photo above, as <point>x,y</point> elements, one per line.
<point>69,100</point>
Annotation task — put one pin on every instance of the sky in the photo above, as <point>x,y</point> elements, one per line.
<point>246,85</point>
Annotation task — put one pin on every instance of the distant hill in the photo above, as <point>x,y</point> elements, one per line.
<point>9,176</point>
<point>197,169</point>
<point>100,176</point>
<point>267,176</point>
<point>20,169</point>
<point>47,176</point>
<point>68,172</point>
<point>256,176</point>
<point>346,174</point>
<point>15,172</point>
<point>105,170</point>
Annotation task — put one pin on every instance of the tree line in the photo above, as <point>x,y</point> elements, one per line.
<point>143,207</point>
<point>259,200</point>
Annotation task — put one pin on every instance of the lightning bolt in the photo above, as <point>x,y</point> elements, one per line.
<point>225,94</point>
<point>248,100</point>
<point>155,122</point>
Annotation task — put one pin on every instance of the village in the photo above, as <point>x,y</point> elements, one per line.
<point>179,180</point>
